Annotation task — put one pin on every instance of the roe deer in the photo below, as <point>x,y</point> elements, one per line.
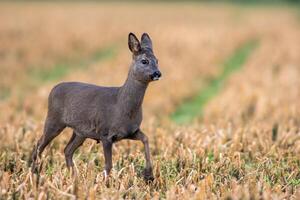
<point>106,114</point>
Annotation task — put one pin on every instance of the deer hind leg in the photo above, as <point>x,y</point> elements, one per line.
<point>75,142</point>
<point>51,130</point>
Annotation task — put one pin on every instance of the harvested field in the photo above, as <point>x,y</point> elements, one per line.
<point>242,141</point>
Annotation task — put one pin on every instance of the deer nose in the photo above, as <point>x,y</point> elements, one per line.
<point>155,76</point>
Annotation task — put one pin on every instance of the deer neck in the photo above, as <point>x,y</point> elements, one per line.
<point>131,95</point>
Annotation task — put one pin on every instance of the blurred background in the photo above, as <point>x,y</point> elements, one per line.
<point>43,43</point>
<point>230,87</point>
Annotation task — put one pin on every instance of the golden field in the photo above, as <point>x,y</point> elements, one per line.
<point>245,145</point>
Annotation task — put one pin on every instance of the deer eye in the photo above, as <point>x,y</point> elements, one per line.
<point>145,61</point>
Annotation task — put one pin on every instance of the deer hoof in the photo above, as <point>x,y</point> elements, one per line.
<point>34,168</point>
<point>105,175</point>
<point>148,175</point>
<point>74,173</point>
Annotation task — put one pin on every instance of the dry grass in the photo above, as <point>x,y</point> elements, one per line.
<point>247,146</point>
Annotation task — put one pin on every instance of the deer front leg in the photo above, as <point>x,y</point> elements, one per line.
<point>148,172</point>
<point>107,148</point>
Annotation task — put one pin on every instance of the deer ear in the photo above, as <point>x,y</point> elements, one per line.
<point>146,41</point>
<point>133,43</point>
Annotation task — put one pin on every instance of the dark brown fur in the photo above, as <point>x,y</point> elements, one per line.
<point>106,114</point>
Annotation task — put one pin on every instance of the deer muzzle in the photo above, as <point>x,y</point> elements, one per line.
<point>155,76</point>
